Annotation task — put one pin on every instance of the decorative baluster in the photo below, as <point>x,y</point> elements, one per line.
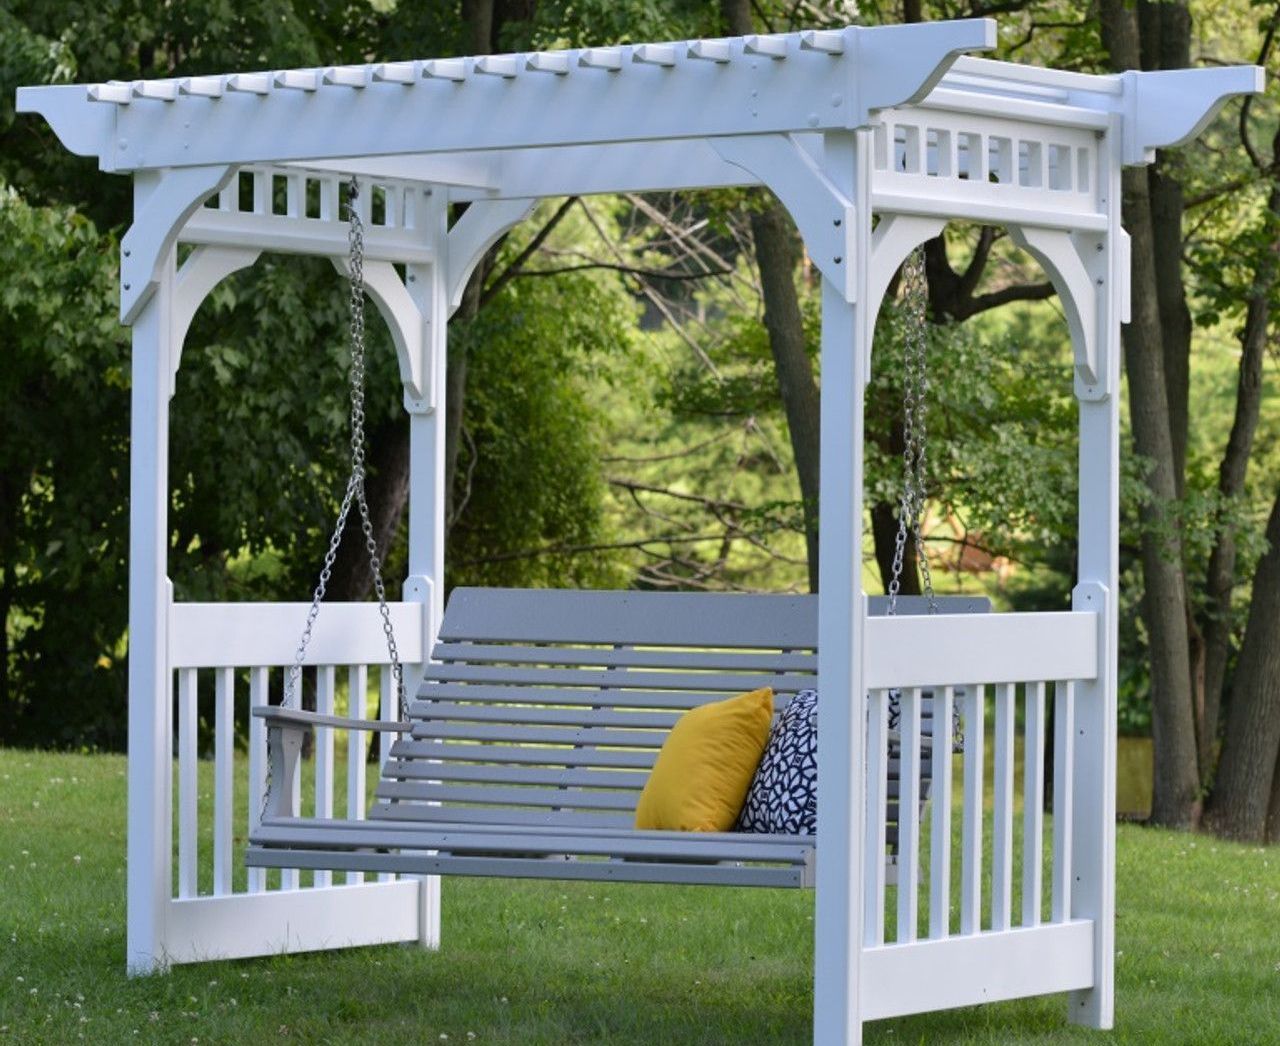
<point>324,756</point>
<point>1002,811</point>
<point>909,816</point>
<point>874,849</point>
<point>1033,805</point>
<point>388,712</point>
<point>188,784</point>
<point>940,838</point>
<point>357,682</point>
<point>971,857</point>
<point>258,698</point>
<point>224,753</point>
<point>1064,754</point>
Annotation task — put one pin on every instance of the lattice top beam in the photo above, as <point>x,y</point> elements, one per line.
<point>830,80</point>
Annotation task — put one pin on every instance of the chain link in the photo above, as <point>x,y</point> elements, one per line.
<point>355,492</point>
<point>915,385</point>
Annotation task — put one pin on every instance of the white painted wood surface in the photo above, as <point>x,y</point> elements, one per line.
<point>511,129</point>
<point>228,635</point>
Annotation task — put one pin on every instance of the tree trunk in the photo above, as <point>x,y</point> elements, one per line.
<point>776,257</point>
<point>884,521</point>
<point>478,17</point>
<point>1220,576</point>
<point>1175,801</point>
<point>387,492</point>
<point>1246,786</point>
<point>1164,603</point>
<point>1273,818</point>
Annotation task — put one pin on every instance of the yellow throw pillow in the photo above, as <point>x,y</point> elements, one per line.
<point>700,779</point>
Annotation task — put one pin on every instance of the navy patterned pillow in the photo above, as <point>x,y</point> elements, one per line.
<point>783,797</point>
<point>957,722</point>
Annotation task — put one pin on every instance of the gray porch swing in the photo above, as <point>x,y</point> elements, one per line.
<point>873,139</point>
<point>533,731</point>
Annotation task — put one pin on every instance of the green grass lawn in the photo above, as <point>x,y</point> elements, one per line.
<point>1198,943</point>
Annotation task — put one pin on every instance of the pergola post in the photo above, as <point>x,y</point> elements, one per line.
<point>1093,799</point>
<point>846,334</point>
<point>150,714</point>
<point>427,285</point>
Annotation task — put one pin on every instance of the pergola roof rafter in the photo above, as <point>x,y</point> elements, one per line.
<point>602,95</point>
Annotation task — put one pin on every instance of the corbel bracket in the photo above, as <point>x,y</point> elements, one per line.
<point>163,201</point>
<point>1165,107</point>
<point>893,239</point>
<point>1077,264</point>
<point>824,215</point>
<point>479,228</point>
<point>410,331</point>
<point>204,269</point>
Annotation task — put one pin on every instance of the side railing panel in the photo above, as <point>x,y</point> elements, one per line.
<point>956,932</point>
<point>227,659</point>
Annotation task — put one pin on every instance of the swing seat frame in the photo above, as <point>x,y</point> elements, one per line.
<point>535,726</point>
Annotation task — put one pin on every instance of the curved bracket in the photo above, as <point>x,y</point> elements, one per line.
<point>408,330</point>
<point>895,237</point>
<point>1166,107</point>
<point>900,64</point>
<point>86,130</point>
<point>822,213</point>
<point>474,233</point>
<point>1076,264</point>
<point>205,268</point>
<point>162,203</point>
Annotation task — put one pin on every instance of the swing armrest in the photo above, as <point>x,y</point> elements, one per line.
<point>278,717</point>
<point>286,728</point>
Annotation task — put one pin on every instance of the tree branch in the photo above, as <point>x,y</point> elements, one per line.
<point>630,270</point>
<point>507,274</point>
<point>1018,292</point>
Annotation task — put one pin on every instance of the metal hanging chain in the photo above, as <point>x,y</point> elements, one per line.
<point>915,384</point>
<point>355,483</point>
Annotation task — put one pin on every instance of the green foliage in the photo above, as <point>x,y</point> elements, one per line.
<point>63,476</point>
<point>258,435</point>
<point>529,485</point>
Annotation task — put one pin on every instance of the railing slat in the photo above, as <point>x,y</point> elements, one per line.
<point>387,707</point>
<point>971,857</point>
<point>1033,805</point>
<point>188,784</point>
<point>940,838</point>
<point>357,685</point>
<point>224,752</point>
<point>909,816</point>
<point>291,878</point>
<point>259,681</point>
<point>1002,811</point>
<point>1064,733</point>
<point>325,677</point>
<point>877,797</point>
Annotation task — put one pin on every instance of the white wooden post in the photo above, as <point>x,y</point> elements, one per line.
<point>425,583</point>
<point>150,731</point>
<point>846,334</point>
<point>1093,802</point>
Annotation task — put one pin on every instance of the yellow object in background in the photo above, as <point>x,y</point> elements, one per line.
<point>700,779</point>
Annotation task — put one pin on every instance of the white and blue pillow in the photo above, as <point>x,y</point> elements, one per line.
<point>783,797</point>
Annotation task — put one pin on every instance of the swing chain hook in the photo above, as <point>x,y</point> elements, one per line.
<point>915,384</point>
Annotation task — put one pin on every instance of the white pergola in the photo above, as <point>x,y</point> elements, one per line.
<point>873,139</point>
